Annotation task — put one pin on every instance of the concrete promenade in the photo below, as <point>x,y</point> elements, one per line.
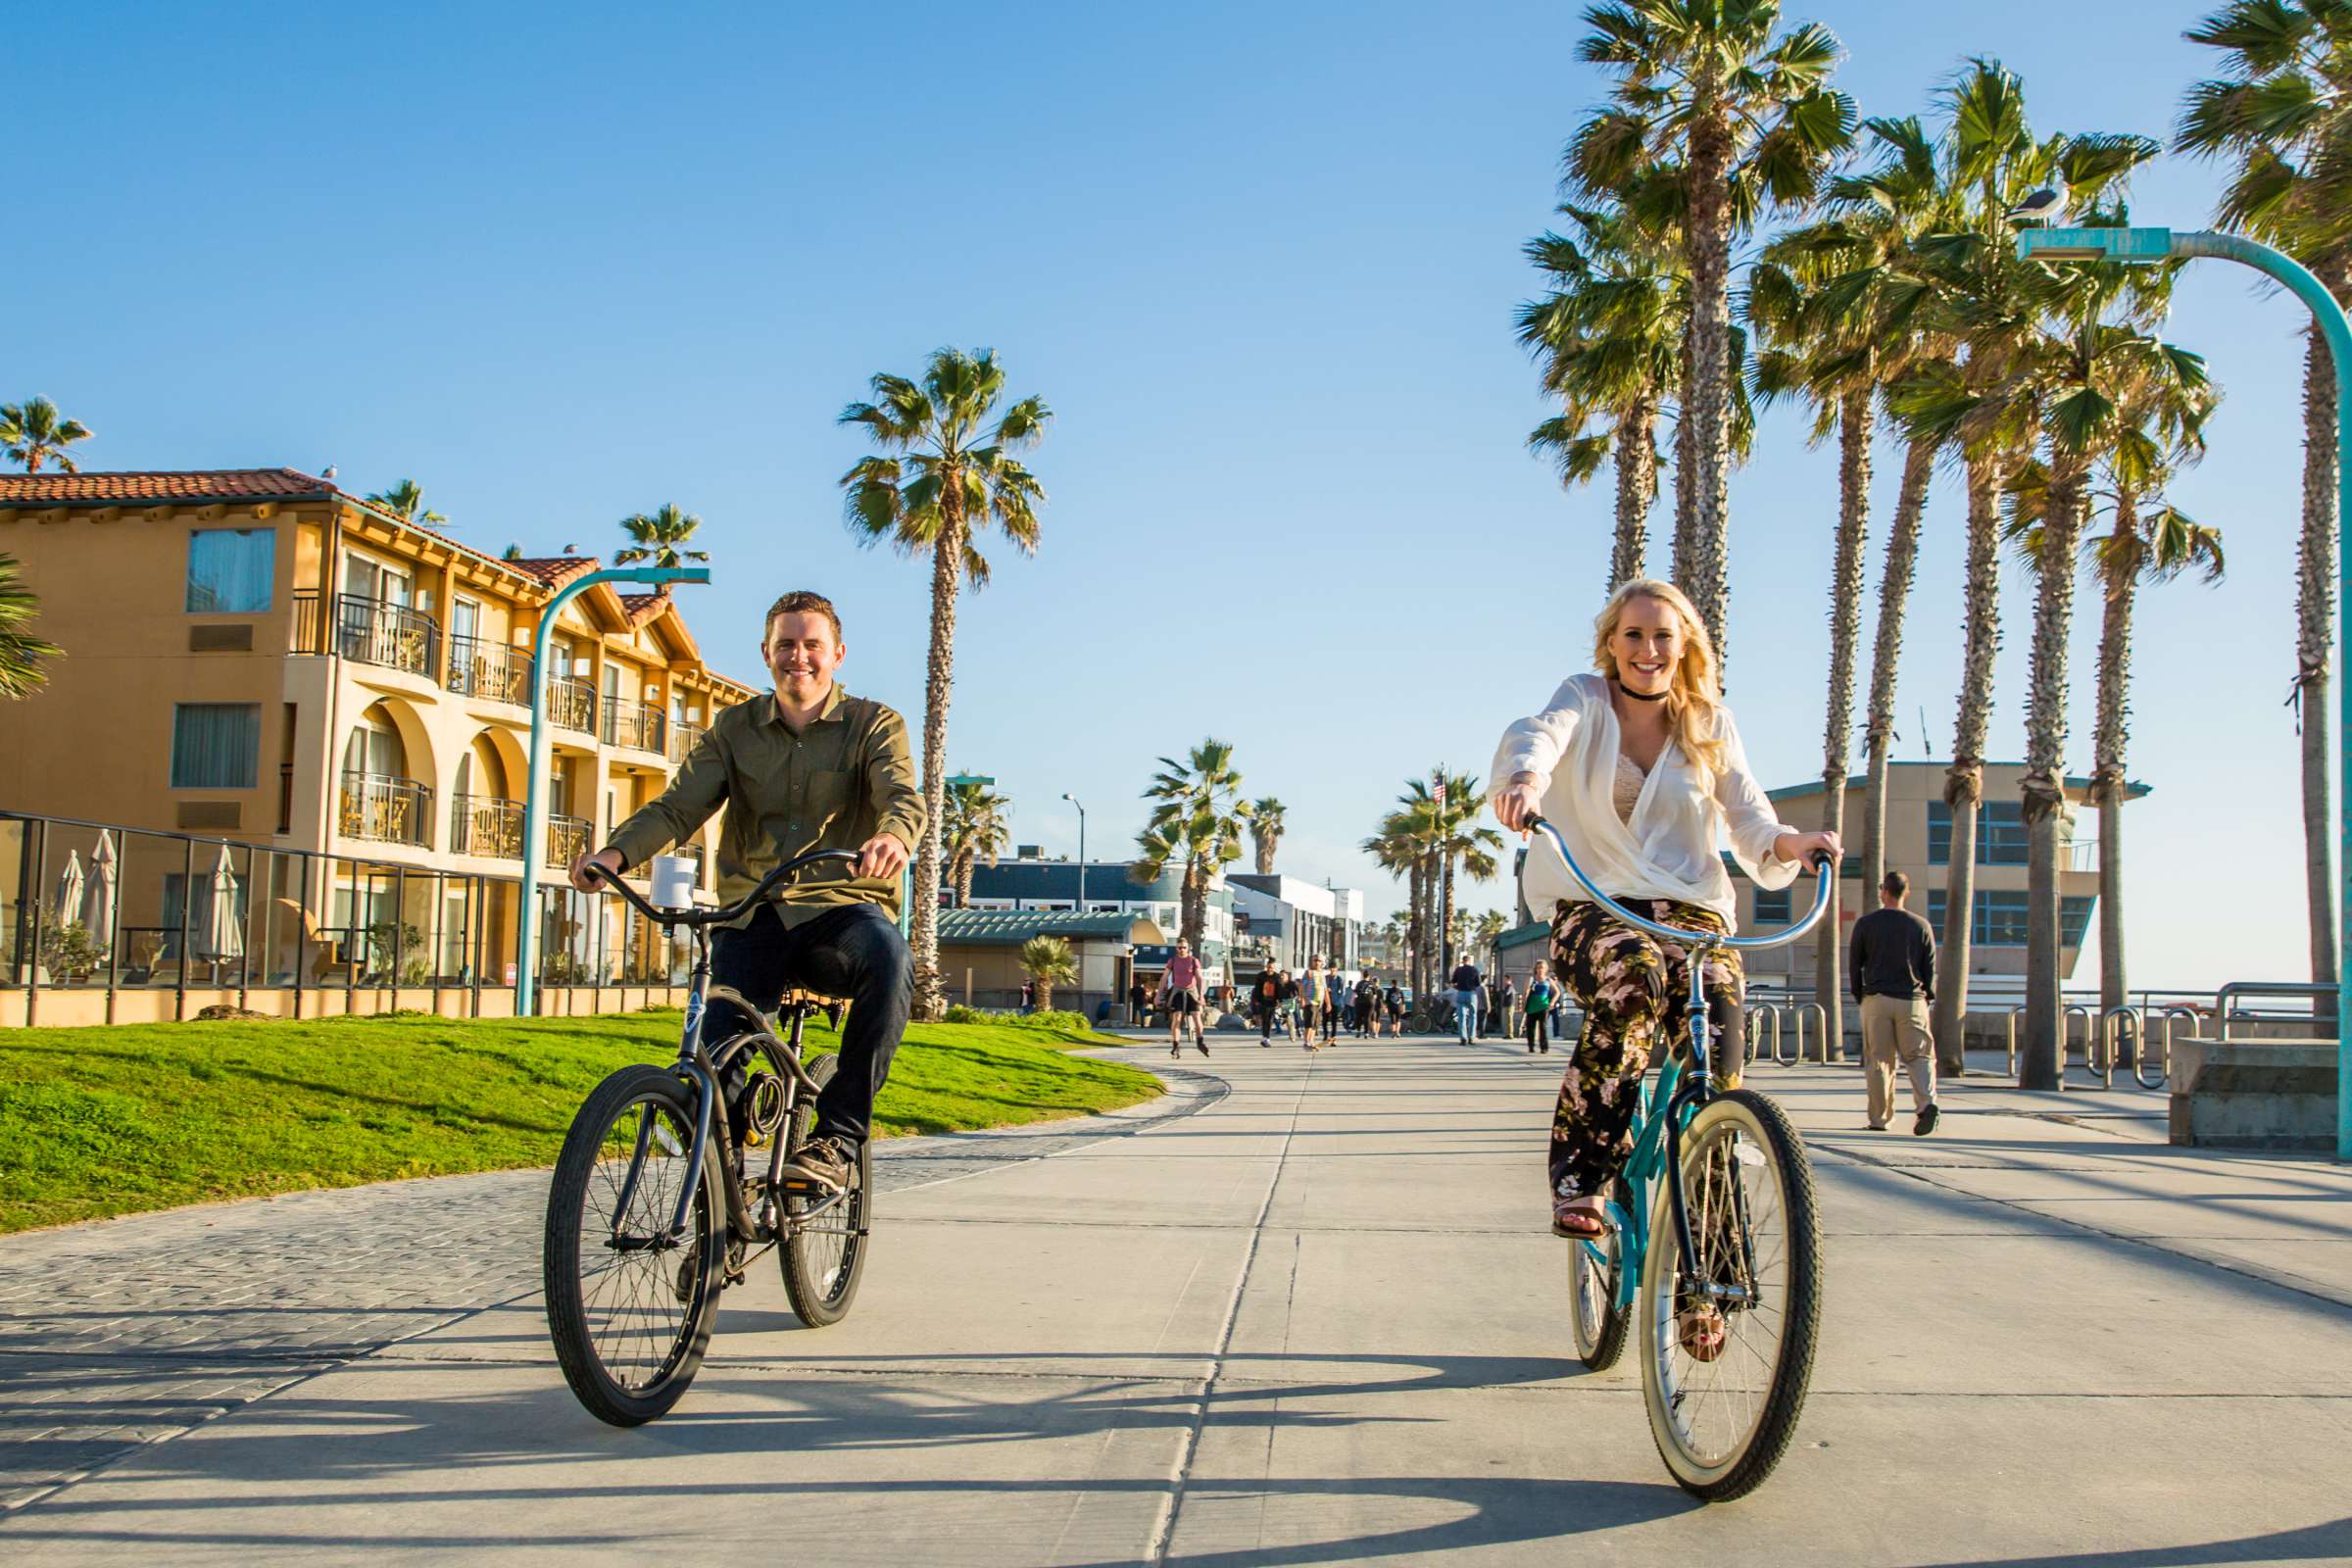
<point>1316,1320</point>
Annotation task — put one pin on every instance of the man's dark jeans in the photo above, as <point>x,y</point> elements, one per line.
<point>854,952</point>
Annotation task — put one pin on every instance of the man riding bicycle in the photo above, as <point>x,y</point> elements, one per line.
<point>805,767</point>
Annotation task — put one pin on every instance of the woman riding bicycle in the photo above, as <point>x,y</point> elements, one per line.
<point>1641,768</point>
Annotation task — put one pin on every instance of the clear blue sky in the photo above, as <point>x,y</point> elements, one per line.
<point>565,265</point>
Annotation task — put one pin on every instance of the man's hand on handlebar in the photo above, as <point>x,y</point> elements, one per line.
<point>881,856</point>
<point>608,859</point>
<point>1518,802</point>
<point>1807,848</point>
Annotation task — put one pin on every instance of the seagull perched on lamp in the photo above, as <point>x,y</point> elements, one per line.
<point>2043,205</point>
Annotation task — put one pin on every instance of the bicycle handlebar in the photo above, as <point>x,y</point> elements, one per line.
<point>1824,868</point>
<point>721,916</point>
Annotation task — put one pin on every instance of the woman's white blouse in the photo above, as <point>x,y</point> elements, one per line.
<point>1670,850</point>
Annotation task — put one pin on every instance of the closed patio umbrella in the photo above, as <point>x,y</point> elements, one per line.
<point>98,903</point>
<point>222,936</point>
<point>68,889</point>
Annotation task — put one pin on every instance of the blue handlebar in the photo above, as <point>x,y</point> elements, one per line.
<point>1826,870</point>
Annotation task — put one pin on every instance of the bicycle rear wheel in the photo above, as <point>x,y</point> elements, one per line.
<point>1727,1352</point>
<point>825,1253</point>
<point>1593,1270</point>
<point>628,1307</point>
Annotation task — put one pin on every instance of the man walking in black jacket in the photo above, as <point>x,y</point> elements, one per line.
<point>1892,966</point>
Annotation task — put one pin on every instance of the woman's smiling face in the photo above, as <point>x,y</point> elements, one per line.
<point>1649,643</point>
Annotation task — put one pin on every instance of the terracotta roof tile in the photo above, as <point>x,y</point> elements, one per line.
<point>552,570</point>
<point>206,484</point>
<point>642,608</point>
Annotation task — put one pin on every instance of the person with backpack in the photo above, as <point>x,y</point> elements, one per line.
<point>1264,998</point>
<point>1541,997</point>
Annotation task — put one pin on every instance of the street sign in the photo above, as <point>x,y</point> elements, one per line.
<point>969,778</point>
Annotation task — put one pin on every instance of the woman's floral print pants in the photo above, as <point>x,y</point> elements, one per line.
<point>1632,986</point>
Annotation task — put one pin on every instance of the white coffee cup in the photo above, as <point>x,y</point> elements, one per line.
<point>673,882</point>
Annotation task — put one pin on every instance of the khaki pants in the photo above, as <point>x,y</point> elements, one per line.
<point>1896,1029</point>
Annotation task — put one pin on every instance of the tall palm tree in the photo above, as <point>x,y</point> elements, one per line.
<point>1049,961</point>
<point>1706,87</point>
<point>1265,831</point>
<point>1198,819</point>
<point>2281,116</point>
<point>1461,842</point>
<point>1609,332</point>
<point>1992,306</point>
<point>406,501</point>
<point>1485,932</point>
<point>21,652</point>
<point>943,472</point>
<point>1397,849</point>
<point>658,537</point>
<point>979,824</point>
<point>33,433</point>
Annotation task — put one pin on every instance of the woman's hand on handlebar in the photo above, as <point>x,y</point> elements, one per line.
<point>1518,802</point>
<point>881,856</point>
<point>1807,848</point>
<point>608,861</point>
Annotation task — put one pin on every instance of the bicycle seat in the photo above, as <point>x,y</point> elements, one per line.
<point>802,1002</point>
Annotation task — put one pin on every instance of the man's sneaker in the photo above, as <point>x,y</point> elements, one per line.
<point>1927,1120</point>
<point>821,1162</point>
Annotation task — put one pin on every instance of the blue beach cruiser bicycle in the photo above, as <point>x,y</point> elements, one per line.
<point>1715,1213</point>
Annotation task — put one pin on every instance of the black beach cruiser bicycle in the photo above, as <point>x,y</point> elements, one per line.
<point>661,1198</point>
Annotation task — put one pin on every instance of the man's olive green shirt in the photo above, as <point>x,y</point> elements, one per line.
<point>843,779</point>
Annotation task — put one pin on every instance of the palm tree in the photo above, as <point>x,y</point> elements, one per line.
<point>1485,932</point>
<point>1265,832</point>
<point>1610,333</point>
<point>2281,116</point>
<point>1704,86</point>
<point>33,433</point>
<point>1197,821</point>
<point>658,535</point>
<point>1048,961</point>
<point>1399,848</point>
<point>943,472</point>
<point>1459,841</point>
<point>21,652</point>
<point>979,822</point>
<point>406,501</point>
<point>1991,305</point>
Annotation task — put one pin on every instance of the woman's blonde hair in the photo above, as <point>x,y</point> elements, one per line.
<point>1693,698</point>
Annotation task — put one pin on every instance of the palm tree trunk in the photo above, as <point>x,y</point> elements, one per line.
<point>1445,960</point>
<point>1895,594</point>
<point>2315,620</point>
<point>1685,480</point>
<point>946,578</point>
<point>1193,907</point>
<point>2044,786</point>
<point>1845,643</point>
<point>1964,780</point>
<point>2111,734</point>
<point>1636,488</point>
<point>1709,396</point>
<point>965,864</point>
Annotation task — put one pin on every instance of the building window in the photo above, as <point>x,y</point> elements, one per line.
<point>231,571</point>
<point>215,745</point>
<point>1772,906</point>
<point>1999,918</point>
<point>2000,833</point>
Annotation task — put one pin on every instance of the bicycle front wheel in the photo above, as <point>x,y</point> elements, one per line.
<point>825,1253</point>
<point>1726,1350</point>
<point>628,1306</point>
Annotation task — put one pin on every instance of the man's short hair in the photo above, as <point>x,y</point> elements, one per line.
<point>1895,885</point>
<point>801,602</point>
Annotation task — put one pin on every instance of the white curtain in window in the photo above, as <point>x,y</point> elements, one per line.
<point>231,571</point>
<point>215,745</point>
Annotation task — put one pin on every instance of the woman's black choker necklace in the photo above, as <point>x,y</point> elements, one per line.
<point>1641,697</point>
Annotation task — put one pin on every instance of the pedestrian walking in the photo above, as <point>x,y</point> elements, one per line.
<point>1893,964</point>
<point>1264,998</point>
<point>1467,993</point>
<point>1288,1005</point>
<point>1543,995</point>
<point>1367,1006</point>
<point>1180,994</point>
<point>1314,990</point>
<point>1507,1007</point>
<point>1393,1007</point>
<point>1138,1005</point>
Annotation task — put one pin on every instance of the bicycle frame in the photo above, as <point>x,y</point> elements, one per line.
<point>1669,1102</point>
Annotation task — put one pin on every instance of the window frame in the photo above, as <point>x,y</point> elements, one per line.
<point>188,587</point>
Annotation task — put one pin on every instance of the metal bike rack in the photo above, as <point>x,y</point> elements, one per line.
<point>2261,988</point>
<point>1822,1017</point>
<point>2163,1070</point>
<point>1751,1016</point>
<point>2111,1040</point>
<point>2066,1038</point>
<point>2010,1026</point>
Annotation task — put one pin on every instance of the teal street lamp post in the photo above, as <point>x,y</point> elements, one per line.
<point>534,803</point>
<point>2147,245</point>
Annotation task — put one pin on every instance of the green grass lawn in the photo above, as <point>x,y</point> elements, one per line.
<point>114,1120</point>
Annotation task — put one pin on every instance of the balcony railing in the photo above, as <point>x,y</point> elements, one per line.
<point>568,840</point>
<point>637,725</point>
<point>683,733</point>
<point>369,631</point>
<point>484,825</point>
<point>384,810</point>
<point>478,667</point>
<point>572,704</point>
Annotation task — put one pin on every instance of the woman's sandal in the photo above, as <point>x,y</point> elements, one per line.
<point>1580,1218</point>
